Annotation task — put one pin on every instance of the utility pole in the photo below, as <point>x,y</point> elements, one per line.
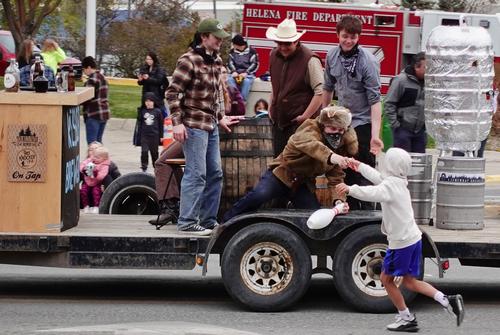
<point>90,28</point>
<point>215,8</point>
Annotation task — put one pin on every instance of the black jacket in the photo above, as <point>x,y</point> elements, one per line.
<point>157,83</point>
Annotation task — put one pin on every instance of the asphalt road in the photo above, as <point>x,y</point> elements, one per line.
<point>78,301</point>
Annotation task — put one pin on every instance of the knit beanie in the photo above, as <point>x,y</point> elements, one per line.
<point>238,40</point>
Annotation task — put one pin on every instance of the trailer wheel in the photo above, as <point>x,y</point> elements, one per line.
<point>132,193</point>
<point>357,265</point>
<point>266,267</point>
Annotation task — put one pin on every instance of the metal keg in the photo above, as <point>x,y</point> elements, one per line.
<point>458,87</point>
<point>460,193</point>
<point>420,186</point>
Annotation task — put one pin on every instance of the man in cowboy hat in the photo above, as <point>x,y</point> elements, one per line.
<point>319,146</point>
<point>297,80</point>
<point>196,99</point>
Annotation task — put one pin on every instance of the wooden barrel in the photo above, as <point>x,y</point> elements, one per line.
<point>325,196</point>
<point>245,153</point>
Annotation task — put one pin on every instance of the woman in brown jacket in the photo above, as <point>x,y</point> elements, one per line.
<point>319,146</point>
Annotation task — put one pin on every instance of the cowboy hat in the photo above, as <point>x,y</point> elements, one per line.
<point>286,32</point>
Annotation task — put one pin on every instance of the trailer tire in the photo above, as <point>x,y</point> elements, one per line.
<point>132,193</point>
<point>266,267</point>
<point>357,265</point>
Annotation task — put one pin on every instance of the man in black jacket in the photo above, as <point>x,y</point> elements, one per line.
<point>404,107</point>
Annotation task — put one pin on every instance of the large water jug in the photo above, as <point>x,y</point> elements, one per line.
<point>458,87</point>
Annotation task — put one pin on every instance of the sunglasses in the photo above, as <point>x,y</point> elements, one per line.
<point>286,44</point>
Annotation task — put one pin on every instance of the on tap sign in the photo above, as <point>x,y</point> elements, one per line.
<point>27,153</point>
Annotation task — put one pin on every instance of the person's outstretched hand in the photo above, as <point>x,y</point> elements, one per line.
<point>342,189</point>
<point>340,160</point>
<point>227,121</point>
<point>376,145</point>
<point>353,164</point>
<point>180,133</point>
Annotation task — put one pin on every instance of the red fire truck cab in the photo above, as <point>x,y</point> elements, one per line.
<point>393,35</point>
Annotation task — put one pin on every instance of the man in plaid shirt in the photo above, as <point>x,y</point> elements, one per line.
<point>196,101</point>
<point>95,111</point>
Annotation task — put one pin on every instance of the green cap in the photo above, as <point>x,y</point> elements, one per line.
<point>214,27</point>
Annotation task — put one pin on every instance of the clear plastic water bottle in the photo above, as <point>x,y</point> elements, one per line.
<point>59,81</point>
<point>11,78</point>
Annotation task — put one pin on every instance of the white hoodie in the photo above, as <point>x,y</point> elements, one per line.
<point>390,189</point>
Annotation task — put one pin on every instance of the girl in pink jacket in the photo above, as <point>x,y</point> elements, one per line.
<point>94,169</point>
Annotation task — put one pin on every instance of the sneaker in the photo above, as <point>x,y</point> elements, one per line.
<point>196,229</point>
<point>94,210</point>
<point>212,226</point>
<point>457,307</point>
<point>402,325</point>
<point>86,210</point>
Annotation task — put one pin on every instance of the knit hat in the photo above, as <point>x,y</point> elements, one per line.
<point>335,116</point>
<point>238,40</point>
<point>214,27</point>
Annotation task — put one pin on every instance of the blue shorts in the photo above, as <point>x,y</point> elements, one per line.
<point>405,261</point>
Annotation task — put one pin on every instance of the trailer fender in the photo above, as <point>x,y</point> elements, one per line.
<point>439,261</point>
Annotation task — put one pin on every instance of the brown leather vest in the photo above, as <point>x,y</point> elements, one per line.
<point>291,92</point>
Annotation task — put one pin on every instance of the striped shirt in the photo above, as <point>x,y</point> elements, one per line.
<point>195,94</point>
<point>98,106</point>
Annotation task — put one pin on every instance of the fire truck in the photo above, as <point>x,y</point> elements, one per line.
<point>393,35</point>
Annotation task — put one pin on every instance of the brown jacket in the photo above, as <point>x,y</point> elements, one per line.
<point>306,156</point>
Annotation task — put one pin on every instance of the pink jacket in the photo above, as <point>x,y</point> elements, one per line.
<point>100,172</point>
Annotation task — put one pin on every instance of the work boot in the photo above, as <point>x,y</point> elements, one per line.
<point>169,212</point>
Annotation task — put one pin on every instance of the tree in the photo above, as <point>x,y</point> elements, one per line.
<point>24,17</point>
<point>162,26</point>
<point>418,4</point>
<point>466,6</point>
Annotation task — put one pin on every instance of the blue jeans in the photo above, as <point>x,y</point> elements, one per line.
<point>201,185</point>
<point>409,140</point>
<point>269,188</point>
<point>94,129</point>
<point>244,87</point>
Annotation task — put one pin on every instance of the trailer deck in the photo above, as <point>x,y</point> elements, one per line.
<point>472,247</point>
<point>110,241</point>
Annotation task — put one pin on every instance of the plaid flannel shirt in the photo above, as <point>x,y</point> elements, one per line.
<point>195,95</point>
<point>98,106</point>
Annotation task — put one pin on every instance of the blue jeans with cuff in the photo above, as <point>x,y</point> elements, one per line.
<point>201,185</point>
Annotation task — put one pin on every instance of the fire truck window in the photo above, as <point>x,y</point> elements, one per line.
<point>484,23</point>
<point>385,20</point>
<point>450,22</point>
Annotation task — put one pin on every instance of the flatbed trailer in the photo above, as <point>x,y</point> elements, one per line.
<point>265,256</point>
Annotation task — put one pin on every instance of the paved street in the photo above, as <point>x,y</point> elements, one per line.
<point>76,301</point>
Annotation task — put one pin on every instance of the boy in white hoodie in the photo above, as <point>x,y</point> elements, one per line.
<point>404,254</point>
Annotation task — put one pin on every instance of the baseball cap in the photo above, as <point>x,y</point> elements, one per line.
<point>214,27</point>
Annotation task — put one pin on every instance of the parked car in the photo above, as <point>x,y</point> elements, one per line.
<point>7,50</point>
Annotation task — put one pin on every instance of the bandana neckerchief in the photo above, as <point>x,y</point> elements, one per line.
<point>349,59</point>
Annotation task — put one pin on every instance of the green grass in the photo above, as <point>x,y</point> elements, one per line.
<point>123,100</point>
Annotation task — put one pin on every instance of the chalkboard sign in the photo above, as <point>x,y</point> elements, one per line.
<point>70,169</point>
